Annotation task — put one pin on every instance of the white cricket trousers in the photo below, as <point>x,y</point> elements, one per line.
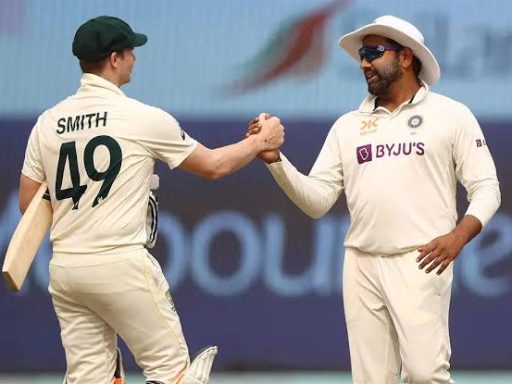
<point>397,319</point>
<point>128,296</point>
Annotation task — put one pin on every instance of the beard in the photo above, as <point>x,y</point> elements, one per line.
<point>379,84</point>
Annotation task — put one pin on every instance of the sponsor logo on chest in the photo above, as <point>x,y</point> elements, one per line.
<point>369,126</point>
<point>369,152</point>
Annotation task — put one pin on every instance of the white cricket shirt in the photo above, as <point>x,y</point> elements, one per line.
<point>96,150</point>
<point>399,171</point>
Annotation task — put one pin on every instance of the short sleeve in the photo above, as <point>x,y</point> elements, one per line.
<point>165,140</point>
<point>33,165</point>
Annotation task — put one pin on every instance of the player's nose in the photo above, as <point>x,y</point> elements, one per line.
<point>363,64</point>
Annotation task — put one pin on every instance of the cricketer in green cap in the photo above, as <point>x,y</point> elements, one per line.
<point>98,37</point>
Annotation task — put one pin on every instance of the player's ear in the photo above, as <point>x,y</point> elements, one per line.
<point>114,59</point>
<point>407,57</point>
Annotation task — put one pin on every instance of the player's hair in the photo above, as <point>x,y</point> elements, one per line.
<point>416,63</point>
<point>416,66</point>
<point>95,67</point>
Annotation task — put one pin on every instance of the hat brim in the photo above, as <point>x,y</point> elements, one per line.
<point>430,71</point>
<point>140,39</point>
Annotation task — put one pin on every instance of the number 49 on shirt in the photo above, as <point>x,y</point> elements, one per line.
<point>68,155</point>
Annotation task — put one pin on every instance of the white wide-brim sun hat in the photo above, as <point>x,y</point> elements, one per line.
<point>403,33</point>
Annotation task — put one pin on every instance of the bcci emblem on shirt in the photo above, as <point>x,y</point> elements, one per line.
<point>415,121</point>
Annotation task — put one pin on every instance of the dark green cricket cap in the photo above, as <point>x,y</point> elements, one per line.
<point>98,37</point>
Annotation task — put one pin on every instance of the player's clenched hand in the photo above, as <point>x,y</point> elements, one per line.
<point>440,252</point>
<point>272,133</point>
<point>255,126</point>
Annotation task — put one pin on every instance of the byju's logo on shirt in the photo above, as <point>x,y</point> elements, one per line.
<point>365,152</point>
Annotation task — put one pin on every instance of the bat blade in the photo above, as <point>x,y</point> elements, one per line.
<point>26,240</point>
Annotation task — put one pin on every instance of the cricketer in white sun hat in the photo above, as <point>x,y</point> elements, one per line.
<point>403,33</point>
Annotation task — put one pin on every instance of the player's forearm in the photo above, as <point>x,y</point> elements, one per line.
<point>28,189</point>
<point>468,228</point>
<point>314,197</point>
<point>231,158</point>
<point>485,201</point>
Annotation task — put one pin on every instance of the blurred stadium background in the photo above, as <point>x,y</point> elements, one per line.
<point>248,271</point>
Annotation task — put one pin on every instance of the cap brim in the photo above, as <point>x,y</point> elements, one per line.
<point>351,42</point>
<point>140,39</point>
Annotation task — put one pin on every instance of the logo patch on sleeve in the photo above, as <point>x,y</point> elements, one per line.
<point>480,143</point>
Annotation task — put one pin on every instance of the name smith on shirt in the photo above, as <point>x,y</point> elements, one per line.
<point>81,122</point>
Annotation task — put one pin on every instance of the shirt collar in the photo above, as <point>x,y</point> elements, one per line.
<point>369,103</point>
<point>94,83</point>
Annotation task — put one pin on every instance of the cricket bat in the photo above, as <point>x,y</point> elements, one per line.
<point>27,239</point>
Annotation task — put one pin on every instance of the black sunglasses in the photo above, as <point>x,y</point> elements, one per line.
<point>372,52</point>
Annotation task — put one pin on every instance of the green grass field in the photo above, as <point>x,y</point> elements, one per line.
<point>266,378</point>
